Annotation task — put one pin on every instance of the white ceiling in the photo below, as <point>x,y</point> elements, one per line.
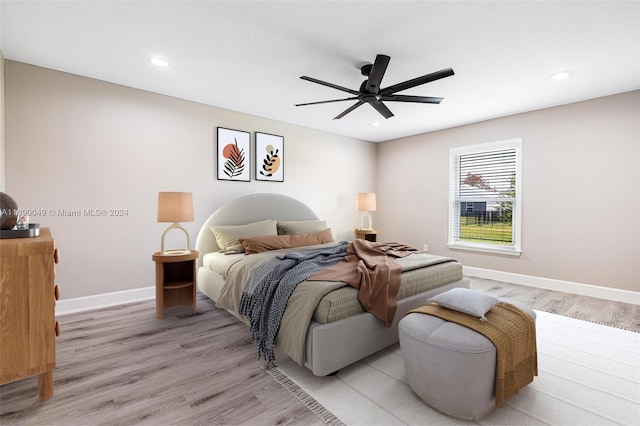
<point>248,56</point>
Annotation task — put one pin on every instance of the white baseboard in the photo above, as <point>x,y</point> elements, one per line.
<point>607,293</point>
<point>98,301</point>
<point>88,303</point>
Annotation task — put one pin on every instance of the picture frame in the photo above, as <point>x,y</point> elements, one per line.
<point>269,157</point>
<point>233,155</point>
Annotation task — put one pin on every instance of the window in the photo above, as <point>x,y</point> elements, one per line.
<point>484,197</point>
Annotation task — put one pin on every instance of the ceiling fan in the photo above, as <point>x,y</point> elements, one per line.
<point>371,93</point>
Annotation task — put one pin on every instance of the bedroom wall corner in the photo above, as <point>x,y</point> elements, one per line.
<point>2,119</point>
<point>2,126</point>
<point>77,147</point>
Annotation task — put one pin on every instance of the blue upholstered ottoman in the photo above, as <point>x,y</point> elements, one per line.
<point>449,366</point>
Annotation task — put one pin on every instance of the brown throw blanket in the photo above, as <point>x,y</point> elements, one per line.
<point>512,332</point>
<point>369,267</point>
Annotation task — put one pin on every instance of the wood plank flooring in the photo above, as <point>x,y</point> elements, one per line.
<point>615,314</point>
<point>122,365</point>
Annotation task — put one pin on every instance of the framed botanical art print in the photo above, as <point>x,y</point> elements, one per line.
<point>234,155</point>
<point>269,157</point>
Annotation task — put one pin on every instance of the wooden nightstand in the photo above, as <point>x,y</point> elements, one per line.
<point>175,281</point>
<point>366,234</point>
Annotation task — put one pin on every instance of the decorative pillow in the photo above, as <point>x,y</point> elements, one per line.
<point>291,227</point>
<point>276,242</point>
<point>468,301</point>
<point>227,236</point>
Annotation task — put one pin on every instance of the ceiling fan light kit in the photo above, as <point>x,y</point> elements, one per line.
<point>371,93</point>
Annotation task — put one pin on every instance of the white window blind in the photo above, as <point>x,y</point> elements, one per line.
<point>485,197</point>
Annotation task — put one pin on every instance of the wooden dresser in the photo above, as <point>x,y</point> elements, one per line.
<point>28,297</point>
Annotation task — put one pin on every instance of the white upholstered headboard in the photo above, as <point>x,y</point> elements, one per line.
<point>250,208</point>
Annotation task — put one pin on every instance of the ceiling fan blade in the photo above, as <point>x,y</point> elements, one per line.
<point>333,86</point>
<point>381,108</point>
<point>348,110</point>
<point>409,98</point>
<point>447,72</point>
<point>376,74</point>
<point>326,102</point>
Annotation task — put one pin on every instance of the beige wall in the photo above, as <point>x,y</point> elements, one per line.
<point>77,143</point>
<point>2,161</point>
<point>2,155</point>
<point>581,191</point>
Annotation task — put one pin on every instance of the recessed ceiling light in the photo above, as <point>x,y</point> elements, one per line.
<point>560,75</point>
<point>159,62</point>
<point>374,124</point>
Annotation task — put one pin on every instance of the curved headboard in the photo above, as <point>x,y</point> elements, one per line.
<point>250,208</point>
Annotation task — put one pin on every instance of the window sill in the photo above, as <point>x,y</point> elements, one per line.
<point>485,248</point>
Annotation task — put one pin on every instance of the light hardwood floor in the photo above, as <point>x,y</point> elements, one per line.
<point>122,365</point>
<point>616,314</point>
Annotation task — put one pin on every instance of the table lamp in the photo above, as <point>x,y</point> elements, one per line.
<point>366,202</point>
<point>175,207</point>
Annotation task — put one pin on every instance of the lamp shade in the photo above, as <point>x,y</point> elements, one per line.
<point>175,207</point>
<point>366,201</point>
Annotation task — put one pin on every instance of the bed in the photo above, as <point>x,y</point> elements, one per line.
<point>339,331</point>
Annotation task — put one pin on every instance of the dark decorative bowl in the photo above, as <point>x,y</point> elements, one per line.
<point>32,231</point>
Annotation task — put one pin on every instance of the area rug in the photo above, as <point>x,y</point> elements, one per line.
<point>589,374</point>
<point>318,409</point>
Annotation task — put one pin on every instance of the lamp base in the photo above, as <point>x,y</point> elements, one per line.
<point>366,215</point>
<point>187,250</point>
<point>175,252</point>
